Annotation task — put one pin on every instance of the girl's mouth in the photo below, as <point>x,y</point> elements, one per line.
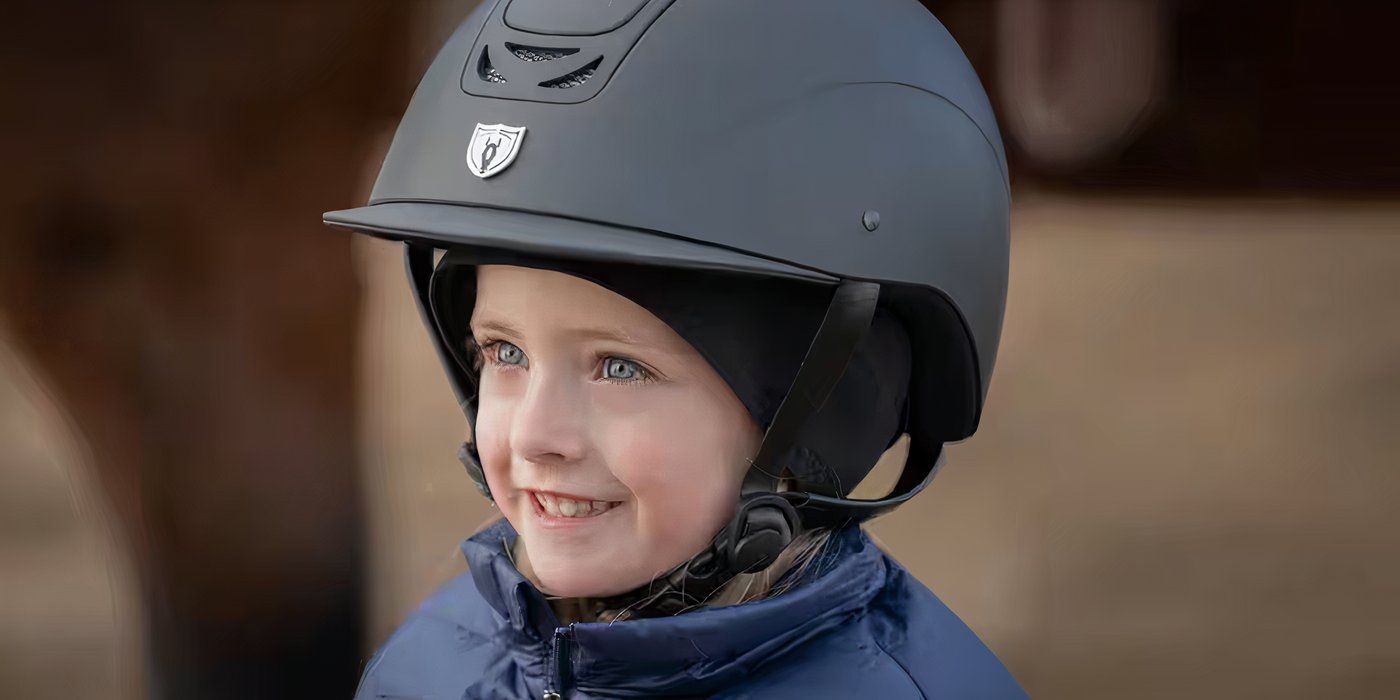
<point>559,509</point>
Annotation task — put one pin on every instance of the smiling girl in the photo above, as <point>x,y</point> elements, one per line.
<point>611,444</point>
<point>692,269</point>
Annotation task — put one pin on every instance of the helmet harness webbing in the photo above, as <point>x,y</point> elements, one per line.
<point>766,519</point>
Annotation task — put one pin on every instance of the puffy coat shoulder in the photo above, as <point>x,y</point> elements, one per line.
<point>444,646</point>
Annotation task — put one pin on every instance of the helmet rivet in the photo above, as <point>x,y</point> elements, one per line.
<point>871,219</point>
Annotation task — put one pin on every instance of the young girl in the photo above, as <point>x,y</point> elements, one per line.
<point>692,267</point>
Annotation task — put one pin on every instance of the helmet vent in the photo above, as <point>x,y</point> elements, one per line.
<point>575,78</point>
<point>535,54</point>
<point>552,50</point>
<point>486,71</point>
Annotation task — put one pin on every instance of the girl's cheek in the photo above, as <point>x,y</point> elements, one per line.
<point>639,452</point>
<point>673,473</point>
<point>493,448</point>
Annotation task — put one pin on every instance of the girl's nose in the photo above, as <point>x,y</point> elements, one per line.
<point>548,427</point>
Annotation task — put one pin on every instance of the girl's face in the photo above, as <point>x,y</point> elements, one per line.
<point>609,443</point>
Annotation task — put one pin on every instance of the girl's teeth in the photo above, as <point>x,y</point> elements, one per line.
<point>569,508</point>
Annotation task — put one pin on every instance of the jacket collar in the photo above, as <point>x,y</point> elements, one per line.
<point>692,651</point>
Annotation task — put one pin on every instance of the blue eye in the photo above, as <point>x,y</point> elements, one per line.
<point>618,369</point>
<point>508,353</point>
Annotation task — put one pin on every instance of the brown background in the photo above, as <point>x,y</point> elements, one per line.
<point>228,452</point>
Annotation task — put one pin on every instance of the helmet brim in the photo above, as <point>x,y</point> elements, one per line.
<point>448,225</point>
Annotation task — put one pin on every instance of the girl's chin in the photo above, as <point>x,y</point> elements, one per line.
<point>584,584</point>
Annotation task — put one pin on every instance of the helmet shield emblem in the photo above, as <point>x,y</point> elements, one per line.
<point>493,147</point>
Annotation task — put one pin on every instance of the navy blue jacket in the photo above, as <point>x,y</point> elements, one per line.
<point>857,625</point>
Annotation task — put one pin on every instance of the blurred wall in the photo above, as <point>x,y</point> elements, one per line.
<point>69,599</point>
<point>166,276</point>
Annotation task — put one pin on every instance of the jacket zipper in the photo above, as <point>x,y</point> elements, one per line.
<point>558,662</point>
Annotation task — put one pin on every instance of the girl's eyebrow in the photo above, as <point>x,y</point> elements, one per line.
<point>498,326</point>
<point>613,334</point>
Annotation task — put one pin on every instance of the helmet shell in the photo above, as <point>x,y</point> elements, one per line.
<point>775,133</point>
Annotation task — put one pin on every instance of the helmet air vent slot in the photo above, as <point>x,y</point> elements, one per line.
<point>574,78</point>
<point>559,51</point>
<point>486,71</point>
<point>534,54</point>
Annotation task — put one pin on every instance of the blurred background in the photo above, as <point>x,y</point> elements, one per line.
<point>227,452</point>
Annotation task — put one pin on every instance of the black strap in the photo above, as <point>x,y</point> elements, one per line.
<point>847,320</point>
<point>926,457</point>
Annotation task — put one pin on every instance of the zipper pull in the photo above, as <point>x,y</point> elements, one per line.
<point>559,662</point>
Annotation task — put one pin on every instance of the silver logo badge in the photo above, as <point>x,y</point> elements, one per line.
<point>493,147</point>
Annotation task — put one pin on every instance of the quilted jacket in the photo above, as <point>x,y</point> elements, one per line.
<point>855,625</point>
